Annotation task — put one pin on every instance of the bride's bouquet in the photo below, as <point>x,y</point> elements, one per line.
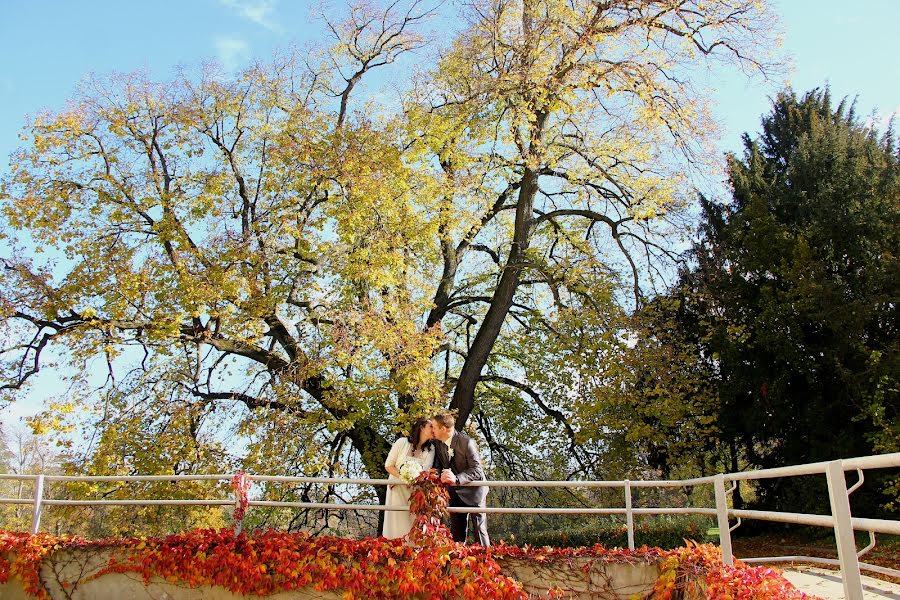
<point>409,470</point>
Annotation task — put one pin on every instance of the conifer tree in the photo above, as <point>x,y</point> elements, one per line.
<point>795,293</point>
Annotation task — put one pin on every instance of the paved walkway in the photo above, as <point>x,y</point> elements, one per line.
<point>827,584</point>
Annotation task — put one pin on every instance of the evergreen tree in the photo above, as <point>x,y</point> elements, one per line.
<point>795,290</point>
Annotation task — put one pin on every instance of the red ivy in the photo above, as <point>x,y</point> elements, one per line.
<point>428,500</point>
<point>29,551</point>
<point>241,486</point>
<point>426,565</point>
<point>695,563</point>
<point>271,561</point>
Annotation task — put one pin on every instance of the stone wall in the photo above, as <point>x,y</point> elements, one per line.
<point>68,574</point>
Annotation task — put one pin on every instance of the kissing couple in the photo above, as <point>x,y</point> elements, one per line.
<point>436,444</point>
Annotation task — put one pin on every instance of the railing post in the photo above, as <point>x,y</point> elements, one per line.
<point>722,517</point>
<point>629,517</point>
<point>843,530</point>
<point>38,503</point>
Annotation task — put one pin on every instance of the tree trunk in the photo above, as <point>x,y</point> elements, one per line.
<point>373,448</point>
<point>464,394</point>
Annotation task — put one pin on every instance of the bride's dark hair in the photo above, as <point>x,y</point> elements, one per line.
<point>415,433</point>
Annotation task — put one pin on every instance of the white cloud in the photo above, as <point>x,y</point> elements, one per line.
<point>261,12</point>
<point>231,51</point>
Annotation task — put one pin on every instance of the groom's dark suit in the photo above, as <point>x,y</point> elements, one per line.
<point>466,465</point>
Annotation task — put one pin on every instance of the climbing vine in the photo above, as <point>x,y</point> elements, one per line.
<point>426,564</point>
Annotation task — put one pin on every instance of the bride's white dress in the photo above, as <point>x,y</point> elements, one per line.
<point>398,522</point>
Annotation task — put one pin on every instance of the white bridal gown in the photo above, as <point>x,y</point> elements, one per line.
<point>397,523</point>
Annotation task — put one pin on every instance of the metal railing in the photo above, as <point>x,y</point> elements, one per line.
<point>840,518</point>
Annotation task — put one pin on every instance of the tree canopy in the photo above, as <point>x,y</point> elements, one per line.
<point>259,258</point>
<point>792,302</point>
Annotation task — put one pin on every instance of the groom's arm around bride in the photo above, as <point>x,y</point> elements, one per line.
<point>458,461</point>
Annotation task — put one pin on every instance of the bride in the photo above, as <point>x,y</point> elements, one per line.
<point>417,446</point>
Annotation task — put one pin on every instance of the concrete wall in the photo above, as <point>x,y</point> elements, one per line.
<point>77,566</point>
<point>583,577</point>
<point>578,577</point>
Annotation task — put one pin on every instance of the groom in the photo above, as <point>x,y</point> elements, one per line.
<point>456,459</point>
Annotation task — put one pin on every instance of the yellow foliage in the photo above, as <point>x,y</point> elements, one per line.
<point>245,262</point>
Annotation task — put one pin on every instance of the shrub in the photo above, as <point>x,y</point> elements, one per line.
<point>663,531</point>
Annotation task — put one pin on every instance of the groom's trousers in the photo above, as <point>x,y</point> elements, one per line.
<point>459,523</point>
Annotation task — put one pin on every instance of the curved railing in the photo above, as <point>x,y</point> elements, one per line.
<point>840,519</point>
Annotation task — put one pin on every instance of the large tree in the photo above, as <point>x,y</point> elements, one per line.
<point>255,255</point>
<point>794,294</point>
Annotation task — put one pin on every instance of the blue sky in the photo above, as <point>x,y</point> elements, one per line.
<point>48,46</point>
<point>854,47</point>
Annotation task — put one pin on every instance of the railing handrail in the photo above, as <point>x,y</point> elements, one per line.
<point>843,523</point>
<point>86,478</point>
<point>877,461</point>
<point>818,468</point>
